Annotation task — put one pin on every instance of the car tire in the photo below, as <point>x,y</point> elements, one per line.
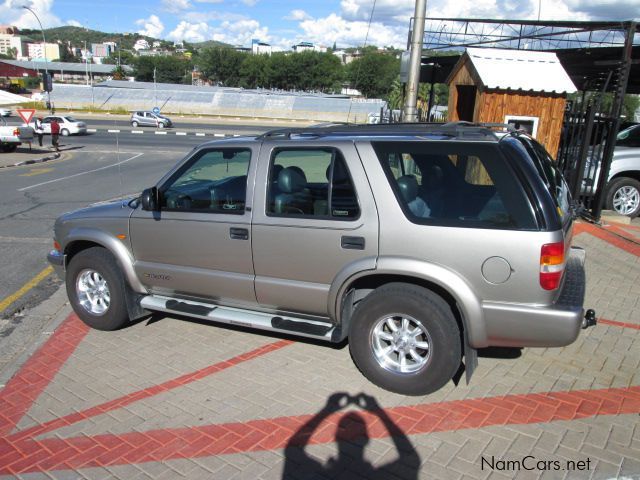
<point>9,147</point>
<point>64,132</point>
<point>134,124</point>
<point>161,125</point>
<point>96,288</point>
<point>623,196</point>
<point>377,349</point>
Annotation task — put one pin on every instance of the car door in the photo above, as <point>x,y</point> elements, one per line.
<point>46,125</point>
<point>313,218</point>
<point>198,244</point>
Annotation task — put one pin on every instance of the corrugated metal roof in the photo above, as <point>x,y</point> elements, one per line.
<point>520,70</point>
<point>66,67</point>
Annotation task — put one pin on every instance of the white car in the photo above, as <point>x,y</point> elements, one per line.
<point>68,125</point>
<point>5,112</point>
<point>622,191</point>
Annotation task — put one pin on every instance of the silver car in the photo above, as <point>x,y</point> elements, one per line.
<point>149,119</point>
<point>417,244</point>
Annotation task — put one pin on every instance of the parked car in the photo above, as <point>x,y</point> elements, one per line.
<point>622,190</point>
<point>12,136</point>
<point>5,112</point>
<point>417,243</point>
<point>68,125</point>
<point>149,119</point>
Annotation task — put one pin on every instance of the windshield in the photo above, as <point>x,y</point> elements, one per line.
<point>629,137</point>
<point>70,119</point>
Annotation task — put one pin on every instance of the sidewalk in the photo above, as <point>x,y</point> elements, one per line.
<point>169,398</point>
<point>26,155</point>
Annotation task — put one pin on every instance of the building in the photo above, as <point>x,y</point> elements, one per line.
<point>346,57</point>
<point>101,50</point>
<point>35,52</point>
<point>63,72</point>
<point>141,44</point>
<point>259,48</point>
<point>307,46</point>
<point>524,88</point>
<point>10,42</point>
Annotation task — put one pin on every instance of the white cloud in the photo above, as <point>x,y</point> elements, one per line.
<point>74,23</point>
<point>191,32</point>
<point>175,6</point>
<point>326,31</point>
<point>151,27</point>
<point>249,3</point>
<point>209,1</point>
<point>12,13</point>
<point>298,15</point>
<point>240,32</point>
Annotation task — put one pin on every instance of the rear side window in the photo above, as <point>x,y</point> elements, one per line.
<point>454,184</point>
<point>551,175</point>
<point>311,183</point>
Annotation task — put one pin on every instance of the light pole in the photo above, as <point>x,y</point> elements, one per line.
<point>44,51</point>
<point>410,113</point>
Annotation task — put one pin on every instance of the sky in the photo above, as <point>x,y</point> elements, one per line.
<point>284,23</point>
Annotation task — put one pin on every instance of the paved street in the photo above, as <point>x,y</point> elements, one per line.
<point>100,166</point>
<point>172,398</point>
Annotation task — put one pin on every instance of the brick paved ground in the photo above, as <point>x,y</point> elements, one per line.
<point>172,398</point>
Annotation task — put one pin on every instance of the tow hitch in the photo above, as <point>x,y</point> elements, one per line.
<point>589,319</point>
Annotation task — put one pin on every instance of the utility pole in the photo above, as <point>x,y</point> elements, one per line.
<point>410,112</point>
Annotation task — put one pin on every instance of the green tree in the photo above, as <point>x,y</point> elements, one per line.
<point>118,73</point>
<point>282,74</point>
<point>221,65</point>
<point>373,73</point>
<point>169,69</point>
<point>254,71</point>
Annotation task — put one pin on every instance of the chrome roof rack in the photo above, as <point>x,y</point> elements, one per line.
<point>447,130</point>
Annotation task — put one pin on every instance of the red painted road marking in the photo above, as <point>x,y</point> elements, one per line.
<point>147,392</point>
<point>170,444</point>
<point>614,323</point>
<point>20,453</point>
<point>608,237</point>
<point>25,387</point>
<point>623,231</point>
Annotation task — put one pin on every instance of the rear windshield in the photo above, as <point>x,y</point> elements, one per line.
<point>551,175</point>
<point>455,184</point>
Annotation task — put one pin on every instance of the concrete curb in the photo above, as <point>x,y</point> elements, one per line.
<point>33,161</point>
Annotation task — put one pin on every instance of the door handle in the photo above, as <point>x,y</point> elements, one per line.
<point>239,233</point>
<point>352,243</point>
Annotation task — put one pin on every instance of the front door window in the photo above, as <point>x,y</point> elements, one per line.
<point>214,182</point>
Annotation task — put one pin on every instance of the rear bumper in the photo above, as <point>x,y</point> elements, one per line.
<point>556,325</point>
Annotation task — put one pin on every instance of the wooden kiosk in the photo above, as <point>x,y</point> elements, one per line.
<point>527,89</point>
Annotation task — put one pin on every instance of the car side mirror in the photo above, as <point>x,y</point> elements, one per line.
<point>150,199</point>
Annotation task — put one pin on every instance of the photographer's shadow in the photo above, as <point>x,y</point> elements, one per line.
<point>351,439</point>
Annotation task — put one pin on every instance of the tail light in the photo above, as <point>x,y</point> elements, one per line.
<point>551,265</point>
<point>57,246</point>
<point>16,132</point>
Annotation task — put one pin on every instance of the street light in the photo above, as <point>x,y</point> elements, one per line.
<point>44,49</point>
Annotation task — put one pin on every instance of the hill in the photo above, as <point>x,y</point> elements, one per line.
<point>77,36</point>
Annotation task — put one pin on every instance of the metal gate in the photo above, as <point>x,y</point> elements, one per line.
<point>598,57</point>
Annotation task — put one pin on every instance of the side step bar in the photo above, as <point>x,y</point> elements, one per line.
<point>244,318</point>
